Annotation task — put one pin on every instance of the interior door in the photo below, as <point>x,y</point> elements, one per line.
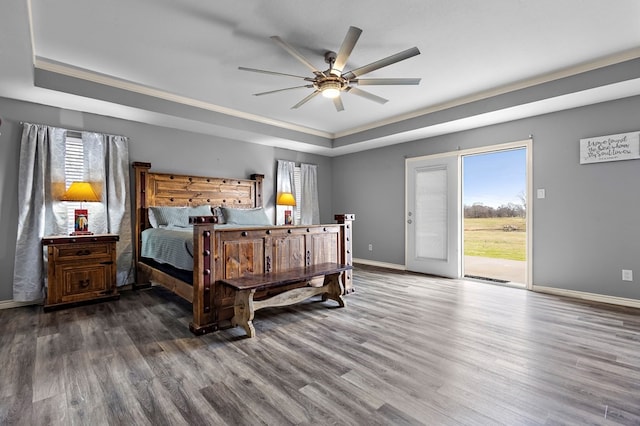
<point>432,215</point>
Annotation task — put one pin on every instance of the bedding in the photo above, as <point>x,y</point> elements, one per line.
<point>170,245</point>
<point>173,245</point>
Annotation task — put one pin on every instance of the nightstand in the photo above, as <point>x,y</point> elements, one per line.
<point>80,268</point>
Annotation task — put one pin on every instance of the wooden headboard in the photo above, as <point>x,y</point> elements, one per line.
<point>170,189</point>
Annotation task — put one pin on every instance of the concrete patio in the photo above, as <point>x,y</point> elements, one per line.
<point>514,271</point>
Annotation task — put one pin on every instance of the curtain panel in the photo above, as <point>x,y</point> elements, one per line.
<point>41,158</point>
<point>309,205</point>
<point>40,211</point>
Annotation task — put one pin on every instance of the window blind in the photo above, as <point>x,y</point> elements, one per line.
<point>73,171</point>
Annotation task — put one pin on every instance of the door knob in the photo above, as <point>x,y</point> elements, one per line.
<point>409,221</point>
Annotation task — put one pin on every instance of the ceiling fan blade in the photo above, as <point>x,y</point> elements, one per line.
<point>273,73</point>
<point>367,95</point>
<point>405,54</point>
<point>337,102</point>
<point>305,100</point>
<point>347,46</point>
<point>282,90</point>
<point>386,81</point>
<point>293,52</point>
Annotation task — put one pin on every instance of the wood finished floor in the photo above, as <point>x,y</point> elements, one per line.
<point>408,349</point>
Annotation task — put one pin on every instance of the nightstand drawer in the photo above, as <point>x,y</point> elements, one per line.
<point>82,252</point>
<point>80,283</point>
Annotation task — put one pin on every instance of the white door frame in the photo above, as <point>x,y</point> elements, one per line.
<point>526,143</point>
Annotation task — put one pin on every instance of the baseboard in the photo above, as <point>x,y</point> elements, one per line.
<point>380,264</point>
<point>9,304</point>
<point>593,297</point>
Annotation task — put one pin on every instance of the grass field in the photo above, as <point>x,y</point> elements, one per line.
<point>486,237</point>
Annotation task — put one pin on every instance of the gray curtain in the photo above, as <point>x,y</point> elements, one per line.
<point>285,182</point>
<point>41,185</point>
<point>119,204</point>
<point>309,207</point>
<point>41,161</point>
<point>106,160</point>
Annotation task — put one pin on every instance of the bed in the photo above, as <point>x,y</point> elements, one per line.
<point>223,251</point>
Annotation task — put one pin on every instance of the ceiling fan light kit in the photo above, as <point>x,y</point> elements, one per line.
<point>332,82</point>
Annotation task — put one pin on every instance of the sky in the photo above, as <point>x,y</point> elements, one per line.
<point>495,178</point>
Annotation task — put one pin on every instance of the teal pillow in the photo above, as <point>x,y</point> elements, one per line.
<point>162,216</point>
<point>245,216</point>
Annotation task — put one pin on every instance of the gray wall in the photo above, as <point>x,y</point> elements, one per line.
<point>585,231</point>
<point>167,150</point>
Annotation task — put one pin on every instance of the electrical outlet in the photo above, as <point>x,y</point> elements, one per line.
<point>370,247</point>
<point>627,275</point>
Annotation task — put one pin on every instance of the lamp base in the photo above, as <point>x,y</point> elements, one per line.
<point>74,233</point>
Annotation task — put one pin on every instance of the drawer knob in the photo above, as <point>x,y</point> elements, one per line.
<point>83,252</point>
<point>84,283</point>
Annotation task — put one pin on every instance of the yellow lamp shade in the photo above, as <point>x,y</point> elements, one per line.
<point>80,191</point>
<point>286,199</point>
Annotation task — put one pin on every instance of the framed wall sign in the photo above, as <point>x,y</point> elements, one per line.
<point>624,146</point>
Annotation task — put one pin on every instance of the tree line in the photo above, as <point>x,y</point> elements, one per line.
<point>506,210</point>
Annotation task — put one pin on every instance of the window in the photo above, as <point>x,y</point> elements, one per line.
<point>73,171</point>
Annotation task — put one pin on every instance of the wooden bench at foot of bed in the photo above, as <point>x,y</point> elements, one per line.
<point>246,286</point>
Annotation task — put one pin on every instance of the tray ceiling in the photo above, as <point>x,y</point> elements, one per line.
<point>175,63</point>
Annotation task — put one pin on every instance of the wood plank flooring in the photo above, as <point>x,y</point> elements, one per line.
<point>407,350</point>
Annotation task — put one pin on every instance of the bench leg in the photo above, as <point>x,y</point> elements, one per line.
<point>243,311</point>
<point>335,288</point>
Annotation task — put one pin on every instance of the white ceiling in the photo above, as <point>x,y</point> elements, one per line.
<point>181,54</point>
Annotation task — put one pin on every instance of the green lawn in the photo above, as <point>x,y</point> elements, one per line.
<point>488,238</point>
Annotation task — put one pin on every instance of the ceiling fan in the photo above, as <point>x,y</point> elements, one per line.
<point>333,81</point>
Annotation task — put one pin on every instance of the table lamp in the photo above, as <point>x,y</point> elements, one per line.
<point>286,199</point>
<point>83,192</point>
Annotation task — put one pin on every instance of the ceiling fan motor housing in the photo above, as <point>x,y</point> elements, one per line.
<point>330,82</point>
